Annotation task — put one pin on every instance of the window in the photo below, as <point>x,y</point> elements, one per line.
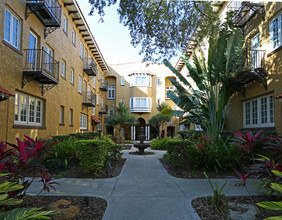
<point>98,74</point>
<point>111,92</point>
<point>65,25</point>
<point>12,29</point>
<point>63,74</point>
<point>122,100</point>
<point>94,82</point>
<point>72,76</point>
<point>89,92</point>
<point>71,117</point>
<point>32,55</point>
<point>79,84</point>
<point>80,50</point>
<point>140,81</point>
<point>122,82</point>
<point>169,88</point>
<point>62,114</point>
<point>275,31</point>
<point>159,81</point>
<point>93,110</point>
<point>111,112</point>
<point>259,112</point>
<point>83,121</point>
<point>102,102</point>
<point>97,100</point>
<point>49,59</point>
<point>140,102</point>
<point>99,126</point>
<point>255,49</point>
<point>159,102</point>
<point>73,37</point>
<point>28,109</point>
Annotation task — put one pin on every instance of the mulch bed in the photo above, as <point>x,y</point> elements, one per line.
<point>188,173</point>
<point>207,211</point>
<point>94,209</point>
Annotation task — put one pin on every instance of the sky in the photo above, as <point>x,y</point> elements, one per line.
<point>112,37</point>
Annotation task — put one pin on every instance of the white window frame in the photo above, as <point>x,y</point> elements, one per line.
<point>9,29</point>
<point>111,92</point>
<point>80,84</point>
<point>65,25</point>
<point>258,112</point>
<point>102,102</point>
<point>122,81</point>
<point>37,111</point>
<point>73,37</point>
<point>279,32</point>
<point>63,73</point>
<point>62,114</point>
<point>111,112</point>
<point>94,82</point>
<point>81,49</point>
<point>83,121</point>
<point>97,100</point>
<point>72,76</point>
<point>71,117</point>
<point>89,92</point>
<point>168,88</point>
<point>140,102</point>
<point>93,110</point>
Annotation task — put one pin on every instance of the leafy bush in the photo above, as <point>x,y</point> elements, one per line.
<point>114,151</point>
<point>190,134</point>
<point>92,153</point>
<point>160,144</point>
<point>85,135</point>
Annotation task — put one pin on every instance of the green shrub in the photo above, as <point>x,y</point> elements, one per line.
<point>160,144</point>
<point>60,137</point>
<point>92,153</point>
<point>190,134</point>
<point>85,135</point>
<point>114,151</point>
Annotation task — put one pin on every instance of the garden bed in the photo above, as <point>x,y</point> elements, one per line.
<point>188,173</point>
<point>74,171</point>
<point>207,211</point>
<point>93,209</point>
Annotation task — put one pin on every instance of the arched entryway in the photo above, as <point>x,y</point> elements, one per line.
<point>141,123</point>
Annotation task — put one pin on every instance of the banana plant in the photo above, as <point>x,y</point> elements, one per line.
<point>204,95</point>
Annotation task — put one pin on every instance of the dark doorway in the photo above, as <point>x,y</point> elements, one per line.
<point>110,130</point>
<point>170,131</point>
<point>141,123</point>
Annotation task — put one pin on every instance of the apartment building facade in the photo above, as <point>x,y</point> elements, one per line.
<point>257,102</point>
<point>142,88</point>
<point>52,68</point>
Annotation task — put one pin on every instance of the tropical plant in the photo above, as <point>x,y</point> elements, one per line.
<point>10,185</point>
<point>206,99</point>
<point>121,119</point>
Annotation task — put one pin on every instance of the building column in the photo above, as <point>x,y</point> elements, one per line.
<point>147,132</point>
<point>133,128</point>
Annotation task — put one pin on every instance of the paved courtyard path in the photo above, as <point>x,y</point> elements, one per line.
<point>143,191</point>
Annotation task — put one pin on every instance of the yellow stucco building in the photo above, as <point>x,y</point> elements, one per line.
<point>52,65</point>
<point>142,88</point>
<point>257,104</point>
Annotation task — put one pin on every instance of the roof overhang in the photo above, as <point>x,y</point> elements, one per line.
<point>5,94</point>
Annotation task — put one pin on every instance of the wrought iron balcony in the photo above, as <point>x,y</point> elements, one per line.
<point>39,65</point>
<point>90,67</point>
<point>245,12</point>
<point>89,99</point>
<point>103,110</point>
<point>250,66</point>
<point>48,11</point>
<point>103,85</point>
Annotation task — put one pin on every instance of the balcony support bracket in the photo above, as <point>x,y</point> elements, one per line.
<point>47,87</point>
<point>25,80</point>
<point>49,30</point>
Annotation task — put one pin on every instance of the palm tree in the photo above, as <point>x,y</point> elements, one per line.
<point>206,100</point>
<point>121,119</point>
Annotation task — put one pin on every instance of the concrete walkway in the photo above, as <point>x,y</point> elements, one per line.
<point>144,191</point>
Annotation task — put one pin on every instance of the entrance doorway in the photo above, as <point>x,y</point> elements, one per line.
<point>141,123</point>
<point>170,131</point>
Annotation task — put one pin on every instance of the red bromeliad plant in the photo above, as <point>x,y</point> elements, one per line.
<point>23,160</point>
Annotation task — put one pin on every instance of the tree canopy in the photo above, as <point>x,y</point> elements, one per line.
<point>162,28</point>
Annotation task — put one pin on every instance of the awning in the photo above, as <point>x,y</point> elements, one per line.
<point>5,94</point>
<point>279,96</point>
<point>95,119</point>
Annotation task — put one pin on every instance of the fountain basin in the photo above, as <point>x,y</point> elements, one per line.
<point>141,147</point>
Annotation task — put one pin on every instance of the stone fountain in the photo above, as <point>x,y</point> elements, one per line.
<point>141,146</point>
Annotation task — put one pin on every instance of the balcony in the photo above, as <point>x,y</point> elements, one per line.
<point>40,66</point>
<point>103,110</point>
<point>89,99</point>
<point>103,85</point>
<point>47,11</point>
<point>245,12</point>
<point>140,109</point>
<point>90,67</point>
<point>250,66</point>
